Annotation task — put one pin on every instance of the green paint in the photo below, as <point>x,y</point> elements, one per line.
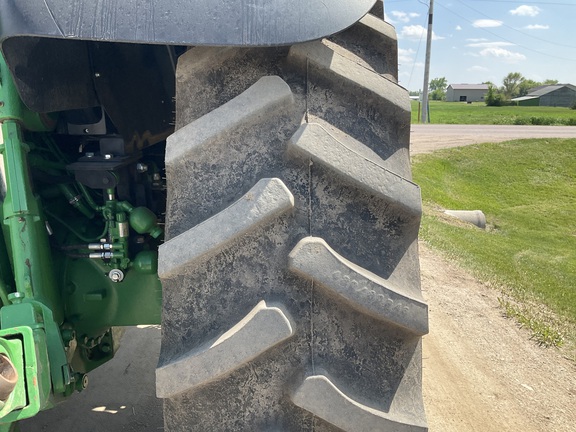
<point>25,227</point>
<point>61,254</point>
<point>27,350</point>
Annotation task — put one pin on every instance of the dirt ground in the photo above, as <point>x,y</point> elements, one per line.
<point>481,372</point>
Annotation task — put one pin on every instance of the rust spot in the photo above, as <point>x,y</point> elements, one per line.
<point>27,262</point>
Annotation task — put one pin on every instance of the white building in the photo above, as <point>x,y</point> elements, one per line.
<point>466,92</point>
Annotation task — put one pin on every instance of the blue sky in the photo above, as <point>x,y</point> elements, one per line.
<point>483,40</point>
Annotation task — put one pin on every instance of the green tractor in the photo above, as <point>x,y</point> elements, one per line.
<point>237,171</point>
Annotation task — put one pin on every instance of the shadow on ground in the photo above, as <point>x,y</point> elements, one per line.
<point>120,395</point>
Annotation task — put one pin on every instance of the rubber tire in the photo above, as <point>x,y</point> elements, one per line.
<point>291,287</point>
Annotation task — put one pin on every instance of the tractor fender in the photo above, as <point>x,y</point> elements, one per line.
<point>181,22</point>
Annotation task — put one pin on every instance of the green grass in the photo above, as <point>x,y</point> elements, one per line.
<point>527,189</point>
<point>479,113</point>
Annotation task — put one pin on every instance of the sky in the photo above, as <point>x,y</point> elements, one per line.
<point>483,40</point>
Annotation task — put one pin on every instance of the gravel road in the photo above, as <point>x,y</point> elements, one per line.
<point>425,138</point>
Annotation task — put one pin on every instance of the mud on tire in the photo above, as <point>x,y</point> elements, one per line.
<point>290,271</point>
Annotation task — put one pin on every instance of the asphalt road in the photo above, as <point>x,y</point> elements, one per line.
<point>425,138</point>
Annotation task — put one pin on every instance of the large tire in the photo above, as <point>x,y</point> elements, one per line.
<point>290,271</point>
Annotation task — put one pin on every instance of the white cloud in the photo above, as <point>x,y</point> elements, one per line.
<point>502,54</point>
<point>406,58</point>
<point>404,16</point>
<point>525,10</point>
<point>458,28</point>
<point>405,55</point>
<point>476,39</point>
<point>489,44</point>
<point>484,23</point>
<point>400,16</point>
<point>416,32</point>
<point>537,27</point>
<point>477,69</point>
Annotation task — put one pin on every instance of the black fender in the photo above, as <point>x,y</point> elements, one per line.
<point>120,54</point>
<point>181,22</point>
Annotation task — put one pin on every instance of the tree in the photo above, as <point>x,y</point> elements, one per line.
<point>526,85</point>
<point>511,83</point>
<point>437,95</point>
<point>438,88</point>
<point>438,84</point>
<point>494,97</point>
<point>550,82</point>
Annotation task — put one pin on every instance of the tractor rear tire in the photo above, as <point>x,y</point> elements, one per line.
<point>290,271</point>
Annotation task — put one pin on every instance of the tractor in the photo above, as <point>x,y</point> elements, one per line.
<point>236,171</point>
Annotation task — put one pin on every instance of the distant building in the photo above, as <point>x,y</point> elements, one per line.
<point>466,92</point>
<point>558,95</point>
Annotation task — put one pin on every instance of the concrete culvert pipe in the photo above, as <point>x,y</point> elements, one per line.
<point>475,217</point>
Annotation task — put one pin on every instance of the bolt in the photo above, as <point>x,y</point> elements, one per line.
<point>86,130</point>
<point>116,275</point>
<point>16,297</point>
<point>141,167</point>
<point>108,156</point>
<point>81,381</point>
<point>97,74</point>
<point>156,177</point>
<point>106,348</point>
<point>89,154</point>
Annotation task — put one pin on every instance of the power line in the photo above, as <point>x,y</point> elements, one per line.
<point>516,30</point>
<point>415,58</point>
<point>507,40</point>
<point>522,2</point>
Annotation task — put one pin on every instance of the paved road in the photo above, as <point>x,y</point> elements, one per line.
<point>427,138</point>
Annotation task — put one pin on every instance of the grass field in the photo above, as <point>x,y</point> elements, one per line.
<point>527,189</point>
<point>479,113</point>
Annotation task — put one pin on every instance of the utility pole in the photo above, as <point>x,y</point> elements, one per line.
<point>424,118</point>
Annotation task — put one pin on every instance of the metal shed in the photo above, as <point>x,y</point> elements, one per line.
<point>466,92</point>
<point>559,95</point>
